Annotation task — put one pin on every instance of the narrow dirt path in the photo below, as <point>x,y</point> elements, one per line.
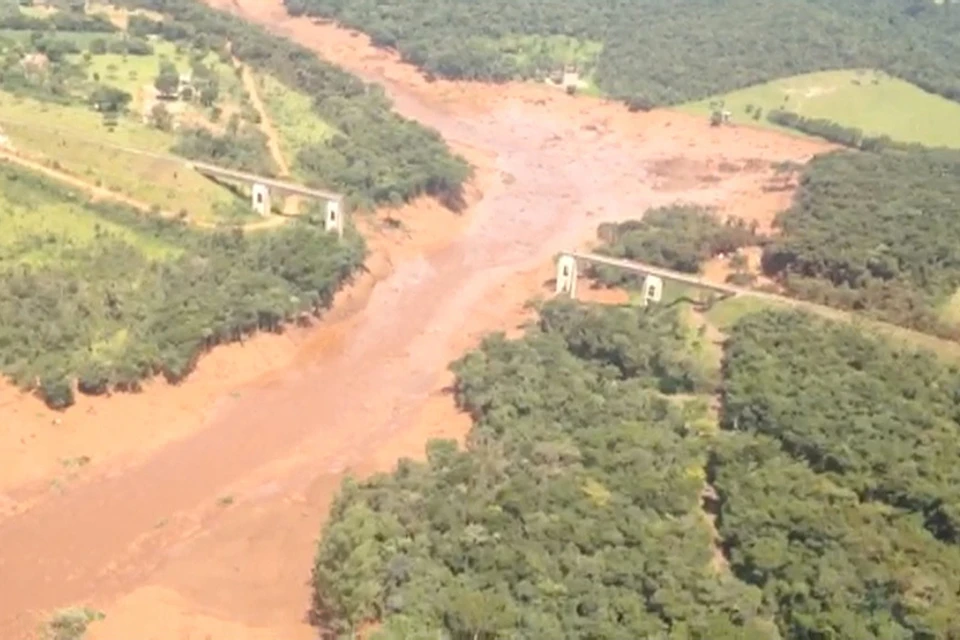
<point>213,535</point>
<point>266,124</point>
<point>291,204</point>
<point>95,192</point>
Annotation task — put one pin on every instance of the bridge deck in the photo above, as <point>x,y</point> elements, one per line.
<point>666,274</point>
<point>273,183</point>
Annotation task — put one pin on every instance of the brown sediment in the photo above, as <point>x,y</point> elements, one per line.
<point>210,532</point>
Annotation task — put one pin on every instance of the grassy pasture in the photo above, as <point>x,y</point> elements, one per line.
<point>171,186</point>
<point>135,74</point>
<point>39,228</point>
<point>871,101</point>
<point>43,130</point>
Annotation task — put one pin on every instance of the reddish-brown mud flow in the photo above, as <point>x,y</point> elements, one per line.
<point>151,541</point>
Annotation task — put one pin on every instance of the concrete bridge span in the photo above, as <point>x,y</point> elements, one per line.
<point>262,187</point>
<point>568,271</point>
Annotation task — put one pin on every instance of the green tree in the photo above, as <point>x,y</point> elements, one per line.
<point>160,117</point>
<point>168,79</point>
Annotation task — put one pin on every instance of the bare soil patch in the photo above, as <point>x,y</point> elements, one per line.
<point>150,538</point>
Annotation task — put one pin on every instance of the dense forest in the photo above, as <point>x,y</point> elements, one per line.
<point>679,237</point>
<point>376,157</point>
<point>841,497</point>
<point>876,232</point>
<point>578,496</point>
<point>106,314</point>
<point>576,510</point>
<point>655,52</point>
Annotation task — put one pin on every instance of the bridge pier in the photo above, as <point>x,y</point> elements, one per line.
<point>567,275</point>
<point>333,219</point>
<point>260,198</point>
<point>652,289</point>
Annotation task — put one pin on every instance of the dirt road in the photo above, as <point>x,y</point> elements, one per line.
<point>212,535</point>
<point>291,204</point>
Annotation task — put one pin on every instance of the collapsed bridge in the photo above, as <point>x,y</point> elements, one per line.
<point>652,289</point>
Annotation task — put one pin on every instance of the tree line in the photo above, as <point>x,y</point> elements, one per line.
<point>851,137</point>
<point>656,52</point>
<point>12,18</point>
<point>100,315</point>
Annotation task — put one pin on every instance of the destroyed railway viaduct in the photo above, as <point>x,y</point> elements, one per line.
<point>653,277</point>
<point>261,188</point>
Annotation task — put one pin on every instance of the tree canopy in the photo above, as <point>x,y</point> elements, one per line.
<point>679,237</point>
<point>143,295</point>
<point>656,52</point>
<point>577,500</point>
<point>575,509</point>
<point>839,491</point>
<point>874,231</point>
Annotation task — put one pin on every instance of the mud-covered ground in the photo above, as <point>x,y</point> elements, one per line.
<point>196,514</point>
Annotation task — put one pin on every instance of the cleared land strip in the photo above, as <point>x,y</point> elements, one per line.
<point>941,346</point>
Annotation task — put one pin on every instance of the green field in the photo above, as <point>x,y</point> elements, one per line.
<point>39,228</point>
<point>43,130</point>
<point>871,101</point>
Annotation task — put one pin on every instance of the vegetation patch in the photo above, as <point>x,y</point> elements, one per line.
<point>876,232</point>
<point>872,102</point>
<point>577,511</point>
<point>578,494</point>
<point>679,237</point>
<point>375,157</point>
<point>37,229</point>
<point>109,297</point>
<point>293,116</point>
<point>70,624</point>
<point>831,421</point>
